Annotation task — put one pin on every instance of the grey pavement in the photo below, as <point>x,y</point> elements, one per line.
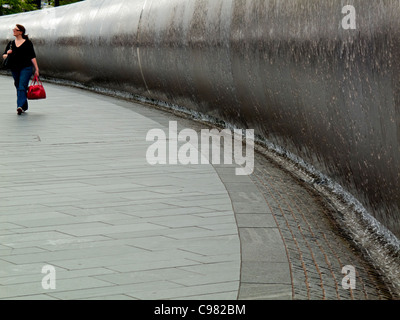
<point>77,194</point>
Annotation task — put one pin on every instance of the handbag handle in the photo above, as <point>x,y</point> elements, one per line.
<point>37,80</point>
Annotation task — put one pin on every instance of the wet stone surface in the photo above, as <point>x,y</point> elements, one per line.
<point>315,247</point>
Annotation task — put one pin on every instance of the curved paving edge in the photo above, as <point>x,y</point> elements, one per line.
<point>265,272</point>
<point>317,247</point>
<point>291,246</point>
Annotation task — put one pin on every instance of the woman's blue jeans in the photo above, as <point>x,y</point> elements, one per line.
<point>21,82</point>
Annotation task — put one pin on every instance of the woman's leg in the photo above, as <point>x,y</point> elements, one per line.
<point>22,84</point>
<point>16,76</point>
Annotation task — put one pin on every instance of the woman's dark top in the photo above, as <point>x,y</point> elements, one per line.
<point>21,56</point>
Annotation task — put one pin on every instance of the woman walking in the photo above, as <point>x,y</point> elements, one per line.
<point>22,58</point>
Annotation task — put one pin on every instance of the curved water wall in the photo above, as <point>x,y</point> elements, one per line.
<point>313,76</point>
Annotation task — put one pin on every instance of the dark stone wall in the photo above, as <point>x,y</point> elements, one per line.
<point>286,68</point>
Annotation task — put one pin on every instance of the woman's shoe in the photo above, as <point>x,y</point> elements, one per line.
<point>19,110</point>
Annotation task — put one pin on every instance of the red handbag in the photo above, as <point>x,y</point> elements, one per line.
<point>36,90</point>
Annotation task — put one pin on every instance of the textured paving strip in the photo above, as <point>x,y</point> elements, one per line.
<point>316,248</point>
<point>76,193</point>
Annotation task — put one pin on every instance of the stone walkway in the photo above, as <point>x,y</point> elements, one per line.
<point>77,194</point>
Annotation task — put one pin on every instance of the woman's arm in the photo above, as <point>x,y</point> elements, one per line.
<point>7,51</point>
<point>35,64</point>
<point>5,55</point>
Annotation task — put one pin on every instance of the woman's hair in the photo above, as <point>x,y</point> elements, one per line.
<point>22,28</point>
